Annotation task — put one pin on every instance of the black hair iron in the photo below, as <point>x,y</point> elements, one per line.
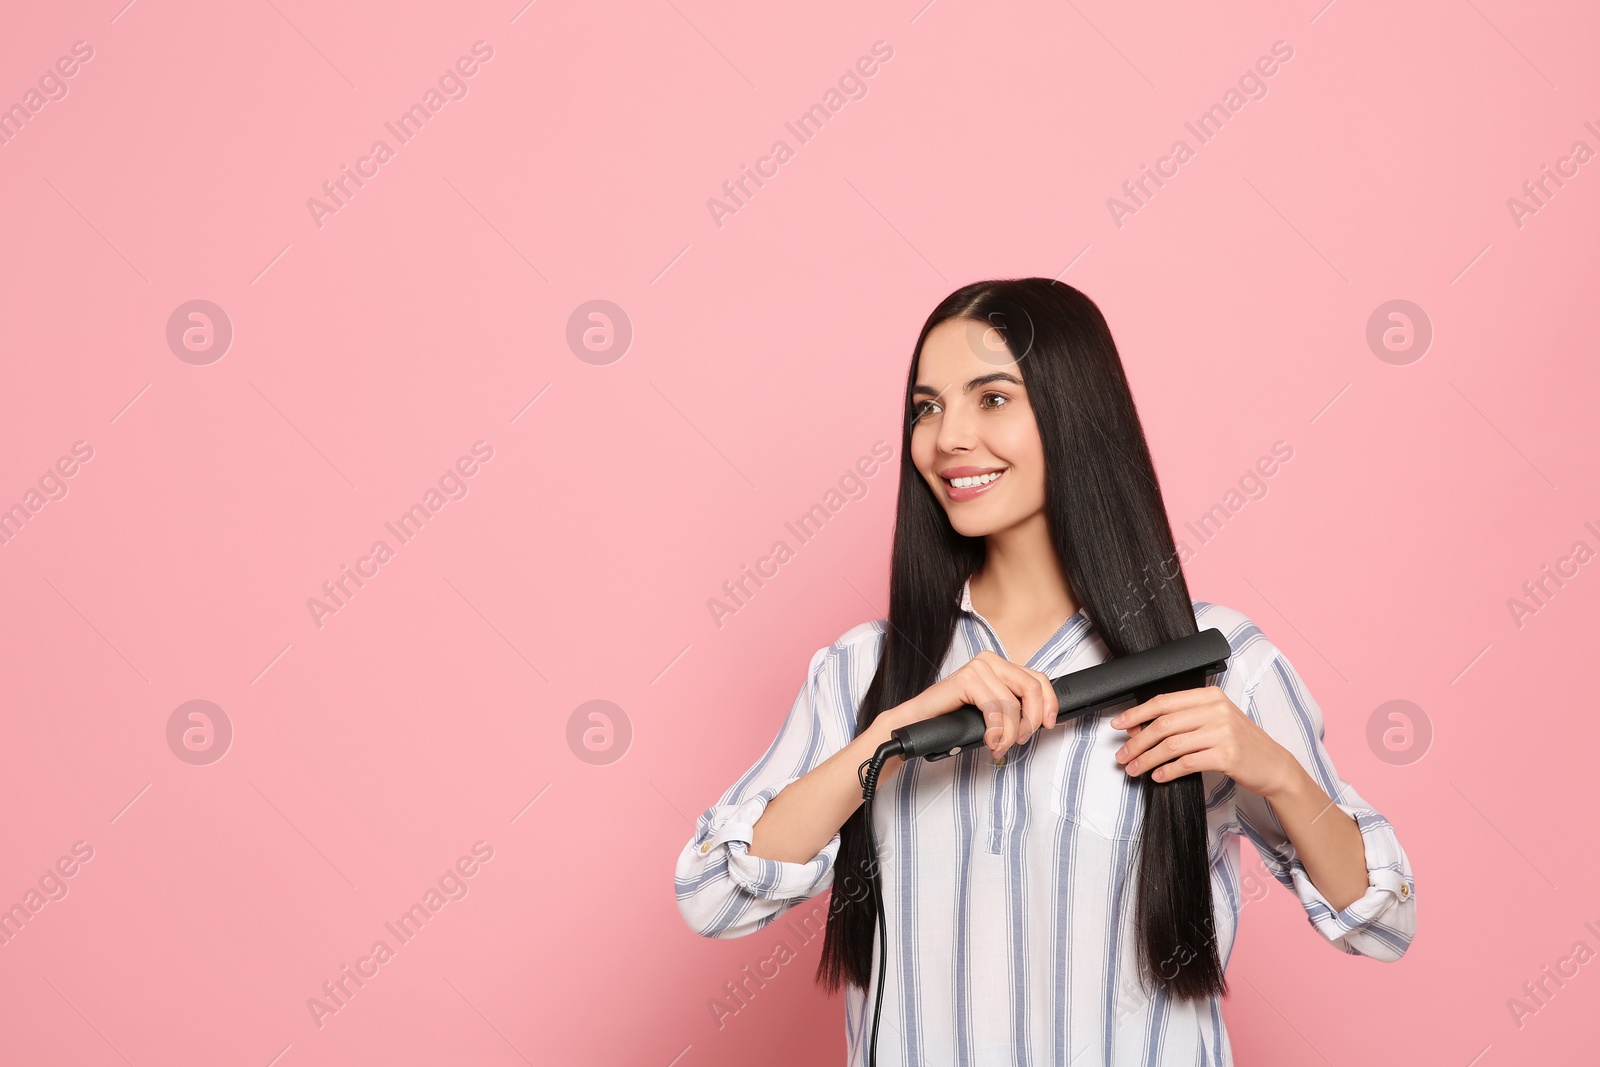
<point>1186,663</point>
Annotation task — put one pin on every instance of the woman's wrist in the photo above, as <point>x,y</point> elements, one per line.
<point>888,721</point>
<point>1292,780</point>
<point>877,733</point>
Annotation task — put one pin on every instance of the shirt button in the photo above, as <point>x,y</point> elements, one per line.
<point>1405,890</point>
<point>705,848</point>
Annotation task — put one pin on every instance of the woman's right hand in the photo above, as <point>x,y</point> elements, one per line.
<point>1015,701</point>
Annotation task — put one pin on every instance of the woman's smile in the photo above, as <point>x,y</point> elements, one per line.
<point>964,483</point>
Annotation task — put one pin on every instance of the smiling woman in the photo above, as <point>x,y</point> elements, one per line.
<point>1075,897</point>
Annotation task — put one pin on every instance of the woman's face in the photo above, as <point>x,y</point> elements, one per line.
<point>973,434</point>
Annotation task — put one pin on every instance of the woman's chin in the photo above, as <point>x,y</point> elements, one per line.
<point>972,525</point>
<point>968,522</point>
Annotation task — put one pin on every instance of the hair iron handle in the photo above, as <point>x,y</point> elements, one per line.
<point>1170,667</point>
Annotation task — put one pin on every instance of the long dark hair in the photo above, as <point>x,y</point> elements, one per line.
<point>1109,527</point>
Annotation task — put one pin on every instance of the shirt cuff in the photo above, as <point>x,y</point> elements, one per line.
<point>758,875</point>
<point>1389,885</point>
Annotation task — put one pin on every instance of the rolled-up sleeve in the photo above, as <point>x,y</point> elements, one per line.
<point>1382,921</point>
<point>722,890</point>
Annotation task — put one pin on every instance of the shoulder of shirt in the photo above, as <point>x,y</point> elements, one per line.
<point>1252,651</point>
<point>866,636</point>
<point>862,633</point>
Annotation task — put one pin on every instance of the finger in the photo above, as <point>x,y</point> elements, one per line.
<point>1052,702</point>
<point>1201,759</point>
<point>1167,751</point>
<point>1001,708</point>
<point>1158,730</point>
<point>1029,689</point>
<point>1160,704</point>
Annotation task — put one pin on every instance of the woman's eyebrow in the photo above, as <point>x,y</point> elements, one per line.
<point>997,376</point>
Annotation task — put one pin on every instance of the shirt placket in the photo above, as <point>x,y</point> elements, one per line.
<point>1001,813</point>
<point>1003,782</point>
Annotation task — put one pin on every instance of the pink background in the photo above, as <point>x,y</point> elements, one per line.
<point>431,711</point>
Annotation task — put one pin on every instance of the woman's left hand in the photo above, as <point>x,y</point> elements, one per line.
<point>1202,730</point>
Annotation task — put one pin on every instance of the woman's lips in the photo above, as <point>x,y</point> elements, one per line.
<point>958,495</point>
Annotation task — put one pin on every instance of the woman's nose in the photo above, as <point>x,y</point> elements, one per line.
<point>955,429</point>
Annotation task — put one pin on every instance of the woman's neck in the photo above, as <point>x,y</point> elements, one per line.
<point>1021,579</point>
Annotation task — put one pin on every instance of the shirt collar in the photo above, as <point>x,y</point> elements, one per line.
<point>1077,626</point>
<point>966,600</point>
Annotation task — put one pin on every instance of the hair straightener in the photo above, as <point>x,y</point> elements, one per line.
<point>1186,663</point>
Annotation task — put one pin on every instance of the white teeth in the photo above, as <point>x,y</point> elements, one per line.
<point>981,479</point>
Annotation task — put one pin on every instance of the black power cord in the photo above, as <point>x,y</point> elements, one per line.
<point>868,774</point>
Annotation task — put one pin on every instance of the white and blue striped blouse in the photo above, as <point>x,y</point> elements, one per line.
<point>1007,890</point>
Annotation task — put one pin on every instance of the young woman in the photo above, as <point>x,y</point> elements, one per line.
<point>1070,895</point>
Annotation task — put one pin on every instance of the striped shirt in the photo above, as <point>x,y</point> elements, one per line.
<point>1006,889</point>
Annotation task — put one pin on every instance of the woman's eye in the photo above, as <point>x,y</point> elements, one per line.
<point>928,406</point>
